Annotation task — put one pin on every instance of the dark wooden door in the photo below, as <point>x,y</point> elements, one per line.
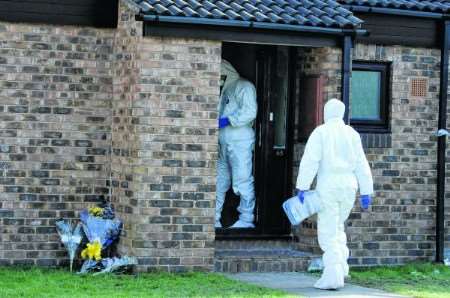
<point>273,149</point>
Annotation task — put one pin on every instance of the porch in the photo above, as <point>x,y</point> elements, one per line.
<point>295,72</point>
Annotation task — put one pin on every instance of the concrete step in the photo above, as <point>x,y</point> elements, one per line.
<point>260,256</point>
<point>254,244</point>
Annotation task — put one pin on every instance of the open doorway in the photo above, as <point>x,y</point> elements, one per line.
<point>272,70</point>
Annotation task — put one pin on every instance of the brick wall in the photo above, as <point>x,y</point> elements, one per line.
<point>400,227</point>
<point>67,94</point>
<point>174,115</point>
<point>165,147</point>
<point>55,115</point>
<point>125,69</point>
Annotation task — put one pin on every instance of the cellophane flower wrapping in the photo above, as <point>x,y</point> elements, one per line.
<point>116,264</point>
<point>106,231</point>
<point>89,265</point>
<point>70,237</point>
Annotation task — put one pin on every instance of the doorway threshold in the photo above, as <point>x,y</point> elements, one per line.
<point>252,233</point>
<point>260,256</point>
<point>252,236</point>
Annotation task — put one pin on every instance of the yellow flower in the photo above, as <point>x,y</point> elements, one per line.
<point>96,211</point>
<point>92,251</point>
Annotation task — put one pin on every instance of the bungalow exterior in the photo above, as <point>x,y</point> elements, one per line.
<point>118,102</point>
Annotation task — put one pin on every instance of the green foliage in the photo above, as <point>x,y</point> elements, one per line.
<point>36,282</point>
<point>414,280</point>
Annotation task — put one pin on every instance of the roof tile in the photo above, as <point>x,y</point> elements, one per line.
<point>204,13</point>
<point>193,3</point>
<point>438,6</point>
<point>319,13</point>
<point>190,12</point>
<point>174,10</point>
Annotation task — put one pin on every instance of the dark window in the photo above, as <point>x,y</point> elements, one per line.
<point>102,14</point>
<point>369,101</point>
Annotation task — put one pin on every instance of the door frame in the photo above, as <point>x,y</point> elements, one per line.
<point>261,176</point>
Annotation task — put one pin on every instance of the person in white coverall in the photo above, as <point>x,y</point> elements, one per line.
<point>237,111</point>
<point>334,153</point>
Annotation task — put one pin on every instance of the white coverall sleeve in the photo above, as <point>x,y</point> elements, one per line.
<point>362,170</point>
<point>246,94</point>
<point>310,162</point>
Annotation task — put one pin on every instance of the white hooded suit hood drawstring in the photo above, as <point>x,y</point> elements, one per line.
<point>334,153</point>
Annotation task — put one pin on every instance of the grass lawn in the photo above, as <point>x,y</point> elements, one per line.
<point>414,280</point>
<point>36,282</point>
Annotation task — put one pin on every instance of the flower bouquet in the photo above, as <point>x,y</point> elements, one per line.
<point>70,237</point>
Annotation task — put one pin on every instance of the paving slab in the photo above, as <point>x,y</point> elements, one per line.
<point>302,284</point>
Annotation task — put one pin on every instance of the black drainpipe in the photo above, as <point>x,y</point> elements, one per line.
<point>346,72</point>
<point>442,140</point>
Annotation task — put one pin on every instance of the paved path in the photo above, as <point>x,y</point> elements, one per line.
<point>302,284</point>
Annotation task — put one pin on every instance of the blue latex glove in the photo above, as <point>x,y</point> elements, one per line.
<point>223,122</point>
<point>365,201</point>
<point>300,195</point>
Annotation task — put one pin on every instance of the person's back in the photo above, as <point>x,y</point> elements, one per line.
<point>334,153</point>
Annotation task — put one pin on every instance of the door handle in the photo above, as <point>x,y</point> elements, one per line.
<point>260,133</point>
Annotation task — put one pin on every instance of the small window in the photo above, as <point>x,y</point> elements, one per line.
<point>369,96</point>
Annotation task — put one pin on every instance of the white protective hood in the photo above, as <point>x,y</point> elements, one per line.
<point>226,69</point>
<point>334,109</point>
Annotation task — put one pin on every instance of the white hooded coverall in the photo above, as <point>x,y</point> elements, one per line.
<point>334,153</point>
<point>236,142</point>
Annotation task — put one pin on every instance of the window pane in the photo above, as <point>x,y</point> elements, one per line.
<point>365,97</point>
<point>279,107</point>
